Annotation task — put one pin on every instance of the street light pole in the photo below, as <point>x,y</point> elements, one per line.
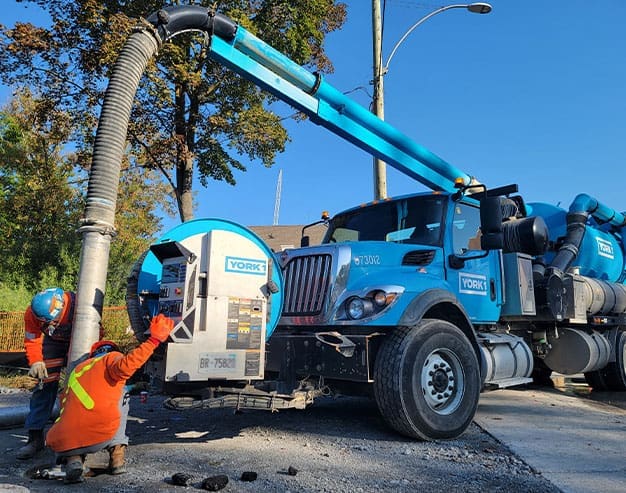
<point>380,70</point>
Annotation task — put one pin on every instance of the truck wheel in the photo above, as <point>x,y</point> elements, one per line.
<point>427,380</point>
<point>596,380</point>
<point>613,376</point>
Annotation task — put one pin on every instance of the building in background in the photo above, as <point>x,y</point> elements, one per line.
<point>280,238</point>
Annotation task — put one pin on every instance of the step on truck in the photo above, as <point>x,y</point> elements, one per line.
<point>420,302</point>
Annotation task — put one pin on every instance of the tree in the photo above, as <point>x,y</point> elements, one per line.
<point>43,199</point>
<point>189,110</point>
<point>39,212</point>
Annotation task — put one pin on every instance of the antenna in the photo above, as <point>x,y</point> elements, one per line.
<point>277,202</point>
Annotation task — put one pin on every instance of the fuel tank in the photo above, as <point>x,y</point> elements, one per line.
<point>601,254</point>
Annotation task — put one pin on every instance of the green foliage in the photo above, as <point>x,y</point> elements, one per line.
<point>14,298</point>
<point>39,210</point>
<point>190,114</point>
<point>116,328</point>
<point>42,202</point>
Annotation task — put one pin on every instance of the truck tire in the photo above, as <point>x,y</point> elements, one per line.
<point>613,376</point>
<point>596,380</point>
<point>427,380</point>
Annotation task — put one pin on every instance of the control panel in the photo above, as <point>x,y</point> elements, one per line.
<point>213,285</point>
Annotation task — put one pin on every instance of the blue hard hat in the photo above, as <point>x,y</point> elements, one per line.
<point>47,305</point>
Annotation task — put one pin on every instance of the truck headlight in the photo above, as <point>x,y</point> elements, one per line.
<point>358,308</point>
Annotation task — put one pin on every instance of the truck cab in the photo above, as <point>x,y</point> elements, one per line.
<point>377,260</point>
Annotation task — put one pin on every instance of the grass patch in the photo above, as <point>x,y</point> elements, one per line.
<point>16,379</point>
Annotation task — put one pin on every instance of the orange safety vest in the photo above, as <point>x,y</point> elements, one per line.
<point>90,404</point>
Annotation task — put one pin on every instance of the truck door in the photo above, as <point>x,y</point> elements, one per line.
<point>477,283</point>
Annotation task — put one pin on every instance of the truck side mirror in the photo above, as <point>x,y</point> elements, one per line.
<point>491,224</point>
<point>305,241</point>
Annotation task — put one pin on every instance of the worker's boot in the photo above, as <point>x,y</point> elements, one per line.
<point>35,444</point>
<point>116,459</point>
<point>74,469</point>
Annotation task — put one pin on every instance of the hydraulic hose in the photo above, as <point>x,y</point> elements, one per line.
<point>98,223</point>
<point>576,227</point>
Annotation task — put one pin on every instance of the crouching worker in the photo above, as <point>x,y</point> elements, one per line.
<point>93,413</point>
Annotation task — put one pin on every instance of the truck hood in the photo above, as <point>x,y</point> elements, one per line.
<point>330,274</point>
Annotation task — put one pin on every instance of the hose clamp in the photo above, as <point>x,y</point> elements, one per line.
<point>95,226</point>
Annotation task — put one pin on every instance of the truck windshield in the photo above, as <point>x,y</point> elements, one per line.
<point>417,220</point>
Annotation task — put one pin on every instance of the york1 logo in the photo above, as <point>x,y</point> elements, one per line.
<point>472,284</point>
<point>605,249</point>
<point>246,266</point>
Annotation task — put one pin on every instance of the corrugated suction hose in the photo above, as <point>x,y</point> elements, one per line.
<point>111,135</point>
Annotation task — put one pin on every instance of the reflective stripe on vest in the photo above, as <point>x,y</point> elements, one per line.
<point>73,384</point>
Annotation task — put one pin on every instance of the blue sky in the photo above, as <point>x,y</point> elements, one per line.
<point>533,93</point>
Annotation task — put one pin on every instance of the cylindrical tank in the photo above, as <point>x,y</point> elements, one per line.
<point>506,357</point>
<point>575,351</point>
<point>601,255</point>
<point>604,298</point>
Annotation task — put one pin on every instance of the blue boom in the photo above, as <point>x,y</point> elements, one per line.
<point>255,60</point>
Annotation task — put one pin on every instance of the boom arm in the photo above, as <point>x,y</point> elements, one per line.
<point>244,53</point>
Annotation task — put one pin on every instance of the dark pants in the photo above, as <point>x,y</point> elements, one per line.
<point>41,406</point>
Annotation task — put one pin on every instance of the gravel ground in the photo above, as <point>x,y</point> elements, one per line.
<point>337,445</point>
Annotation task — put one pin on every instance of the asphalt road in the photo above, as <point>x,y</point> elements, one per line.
<point>522,440</point>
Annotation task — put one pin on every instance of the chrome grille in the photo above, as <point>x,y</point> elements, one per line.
<point>306,284</point>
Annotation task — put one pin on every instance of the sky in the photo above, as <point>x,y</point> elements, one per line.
<point>533,93</point>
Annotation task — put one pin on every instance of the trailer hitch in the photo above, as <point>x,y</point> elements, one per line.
<point>341,343</point>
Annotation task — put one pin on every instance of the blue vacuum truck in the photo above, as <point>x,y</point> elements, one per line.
<point>420,302</point>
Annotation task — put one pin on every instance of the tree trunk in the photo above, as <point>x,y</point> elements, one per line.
<point>184,184</point>
<point>184,159</point>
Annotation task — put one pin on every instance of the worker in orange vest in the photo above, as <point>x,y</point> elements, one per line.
<point>48,328</point>
<point>92,416</point>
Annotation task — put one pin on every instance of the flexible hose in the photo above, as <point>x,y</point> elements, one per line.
<point>576,227</point>
<point>581,208</point>
<point>111,135</point>
<point>98,224</point>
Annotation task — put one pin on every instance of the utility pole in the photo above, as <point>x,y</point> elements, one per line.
<point>378,100</point>
<point>378,103</point>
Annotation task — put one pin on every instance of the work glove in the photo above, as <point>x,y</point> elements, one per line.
<point>38,370</point>
<point>160,327</point>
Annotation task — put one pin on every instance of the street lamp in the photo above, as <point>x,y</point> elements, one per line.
<point>380,172</point>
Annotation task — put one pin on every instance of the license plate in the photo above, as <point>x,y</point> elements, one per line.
<point>217,363</point>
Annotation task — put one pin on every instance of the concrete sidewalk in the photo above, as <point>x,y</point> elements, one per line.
<point>576,443</point>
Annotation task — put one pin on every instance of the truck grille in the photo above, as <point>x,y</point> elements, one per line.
<point>306,284</point>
